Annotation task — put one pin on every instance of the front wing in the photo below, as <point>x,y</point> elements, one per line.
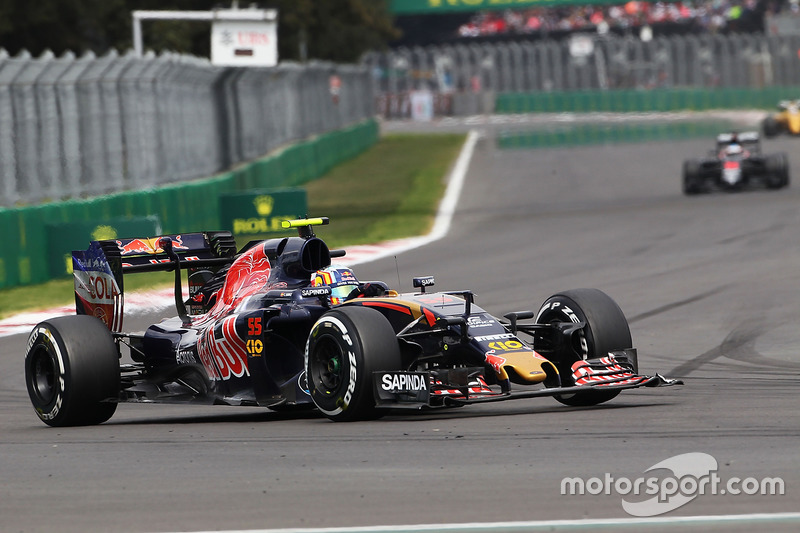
<point>465,386</point>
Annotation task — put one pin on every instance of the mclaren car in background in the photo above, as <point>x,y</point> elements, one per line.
<point>736,163</point>
<point>786,120</point>
<point>276,325</point>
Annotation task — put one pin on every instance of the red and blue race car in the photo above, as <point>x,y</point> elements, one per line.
<point>276,325</point>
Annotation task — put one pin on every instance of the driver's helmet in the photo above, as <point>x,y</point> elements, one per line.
<point>339,278</point>
<point>734,149</point>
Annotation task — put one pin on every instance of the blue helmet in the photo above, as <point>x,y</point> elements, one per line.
<point>339,278</point>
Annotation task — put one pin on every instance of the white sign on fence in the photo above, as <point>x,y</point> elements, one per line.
<point>244,43</point>
<point>239,37</point>
<point>422,106</point>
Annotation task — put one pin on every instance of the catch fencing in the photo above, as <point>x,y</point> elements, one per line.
<point>74,127</point>
<point>466,78</point>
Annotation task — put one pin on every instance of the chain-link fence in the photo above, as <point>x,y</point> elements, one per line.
<point>77,126</point>
<point>465,77</point>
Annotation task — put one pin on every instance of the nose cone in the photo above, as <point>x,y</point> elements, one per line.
<point>522,367</point>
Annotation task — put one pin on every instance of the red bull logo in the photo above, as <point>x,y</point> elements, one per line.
<point>148,246</point>
<point>495,361</point>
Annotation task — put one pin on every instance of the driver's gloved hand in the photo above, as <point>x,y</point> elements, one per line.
<point>368,290</point>
<point>372,290</point>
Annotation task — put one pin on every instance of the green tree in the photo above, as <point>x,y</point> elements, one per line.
<point>59,25</point>
<point>334,30</point>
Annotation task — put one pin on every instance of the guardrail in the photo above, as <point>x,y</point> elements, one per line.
<point>591,133</point>
<point>639,101</point>
<point>73,127</point>
<point>28,244</point>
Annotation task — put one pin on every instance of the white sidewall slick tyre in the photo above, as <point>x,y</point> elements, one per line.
<point>72,371</point>
<point>344,348</point>
<point>606,330</point>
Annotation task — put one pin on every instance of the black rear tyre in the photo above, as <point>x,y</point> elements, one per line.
<point>606,330</point>
<point>777,168</point>
<point>72,371</point>
<point>692,177</point>
<point>344,348</point>
<point>784,169</point>
<point>770,127</point>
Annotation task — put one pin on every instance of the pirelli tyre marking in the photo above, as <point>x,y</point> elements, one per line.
<point>346,346</point>
<point>333,322</point>
<point>43,335</point>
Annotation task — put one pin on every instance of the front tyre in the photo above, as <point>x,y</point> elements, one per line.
<point>344,348</point>
<point>72,371</point>
<point>606,330</point>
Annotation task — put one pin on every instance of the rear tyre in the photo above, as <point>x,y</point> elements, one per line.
<point>692,178</point>
<point>770,127</point>
<point>777,169</point>
<point>606,330</point>
<point>784,170</point>
<point>72,371</point>
<point>344,348</point>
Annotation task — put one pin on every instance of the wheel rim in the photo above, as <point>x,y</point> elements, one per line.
<point>327,364</point>
<point>43,375</point>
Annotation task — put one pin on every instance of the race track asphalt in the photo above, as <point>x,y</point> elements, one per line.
<point>711,288</point>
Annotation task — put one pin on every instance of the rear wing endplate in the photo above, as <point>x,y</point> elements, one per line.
<point>98,271</point>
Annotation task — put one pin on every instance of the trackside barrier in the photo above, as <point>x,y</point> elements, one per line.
<point>72,126</point>
<point>612,72</point>
<point>180,208</point>
<point>604,133</point>
<point>643,101</point>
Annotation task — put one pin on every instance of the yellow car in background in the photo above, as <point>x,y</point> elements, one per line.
<point>786,120</point>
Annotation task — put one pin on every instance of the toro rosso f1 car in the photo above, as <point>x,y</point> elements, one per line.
<point>257,330</point>
<point>786,120</point>
<point>736,163</point>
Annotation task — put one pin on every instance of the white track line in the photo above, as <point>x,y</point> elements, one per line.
<point>149,301</point>
<point>444,215</point>
<point>551,525</point>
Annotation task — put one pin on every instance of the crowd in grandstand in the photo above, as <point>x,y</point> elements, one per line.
<point>710,15</point>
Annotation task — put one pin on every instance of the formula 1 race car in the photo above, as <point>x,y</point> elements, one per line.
<point>736,163</point>
<point>276,325</point>
<point>786,120</point>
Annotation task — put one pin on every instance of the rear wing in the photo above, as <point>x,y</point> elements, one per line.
<point>745,137</point>
<point>99,270</point>
<point>199,249</point>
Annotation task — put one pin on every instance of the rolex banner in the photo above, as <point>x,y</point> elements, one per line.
<point>260,211</point>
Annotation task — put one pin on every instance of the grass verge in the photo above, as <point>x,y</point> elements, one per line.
<point>390,191</point>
